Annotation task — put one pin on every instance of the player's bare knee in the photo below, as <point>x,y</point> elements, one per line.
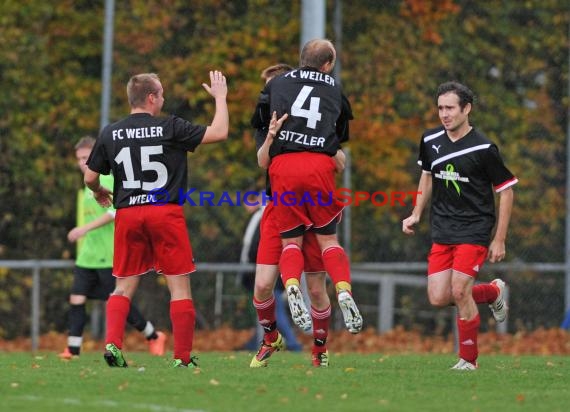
<point>320,300</point>
<point>263,291</point>
<point>439,301</point>
<point>317,295</point>
<point>459,294</point>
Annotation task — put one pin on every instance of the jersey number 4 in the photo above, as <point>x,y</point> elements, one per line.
<point>312,114</point>
<point>124,158</point>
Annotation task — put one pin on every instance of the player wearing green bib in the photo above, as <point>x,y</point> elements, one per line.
<point>95,248</point>
<point>92,275</point>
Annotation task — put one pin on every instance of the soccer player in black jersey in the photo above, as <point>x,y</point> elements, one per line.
<point>269,252</point>
<point>461,171</point>
<point>306,106</point>
<point>146,153</point>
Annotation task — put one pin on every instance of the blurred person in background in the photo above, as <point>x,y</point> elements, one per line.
<point>93,272</point>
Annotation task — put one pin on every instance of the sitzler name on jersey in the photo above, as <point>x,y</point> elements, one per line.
<point>301,138</point>
<point>138,133</point>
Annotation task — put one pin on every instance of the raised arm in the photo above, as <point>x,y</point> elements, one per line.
<point>275,124</point>
<point>219,128</point>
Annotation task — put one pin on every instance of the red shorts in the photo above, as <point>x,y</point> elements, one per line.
<point>464,258</point>
<point>152,238</point>
<point>303,186</point>
<point>270,247</point>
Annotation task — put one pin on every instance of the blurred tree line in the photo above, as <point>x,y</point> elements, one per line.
<point>513,54</point>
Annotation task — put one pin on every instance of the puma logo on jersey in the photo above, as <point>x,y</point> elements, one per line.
<point>436,148</point>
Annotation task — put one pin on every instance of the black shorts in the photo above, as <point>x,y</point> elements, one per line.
<point>93,283</point>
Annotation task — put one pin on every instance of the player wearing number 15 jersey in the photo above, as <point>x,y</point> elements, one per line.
<point>147,154</point>
<point>301,145</point>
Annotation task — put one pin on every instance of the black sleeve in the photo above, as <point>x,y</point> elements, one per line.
<point>423,159</point>
<point>261,117</point>
<point>187,135</point>
<point>98,160</point>
<point>342,129</point>
<point>495,167</point>
<point>260,136</point>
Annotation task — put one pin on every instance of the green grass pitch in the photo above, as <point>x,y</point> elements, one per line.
<point>224,382</point>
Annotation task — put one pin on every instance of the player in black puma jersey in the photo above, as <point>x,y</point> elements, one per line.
<point>461,171</point>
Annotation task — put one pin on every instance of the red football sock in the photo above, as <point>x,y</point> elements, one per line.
<point>321,322</point>
<point>291,263</point>
<point>266,316</point>
<point>468,330</point>
<point>117,309</point>
<point>336,264</point>
<point>183,318</point>
<point>485,293</point>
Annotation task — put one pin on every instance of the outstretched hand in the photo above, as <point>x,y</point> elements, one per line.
<point>275,124</point>
<point>76,233</point>
<point>218,86</point>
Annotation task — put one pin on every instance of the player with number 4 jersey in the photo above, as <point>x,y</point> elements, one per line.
<point>306,105</point>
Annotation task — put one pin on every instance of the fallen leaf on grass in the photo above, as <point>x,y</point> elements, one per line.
<point>261,389</point>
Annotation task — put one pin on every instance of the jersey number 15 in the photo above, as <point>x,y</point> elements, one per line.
<point>124,158</point>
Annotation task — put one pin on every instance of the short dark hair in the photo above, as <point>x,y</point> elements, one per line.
<point>463,92</point>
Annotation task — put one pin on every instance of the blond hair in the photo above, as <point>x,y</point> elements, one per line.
<point>86,142</point>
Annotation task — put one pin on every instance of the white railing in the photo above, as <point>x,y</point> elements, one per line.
<point>386,276</point>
